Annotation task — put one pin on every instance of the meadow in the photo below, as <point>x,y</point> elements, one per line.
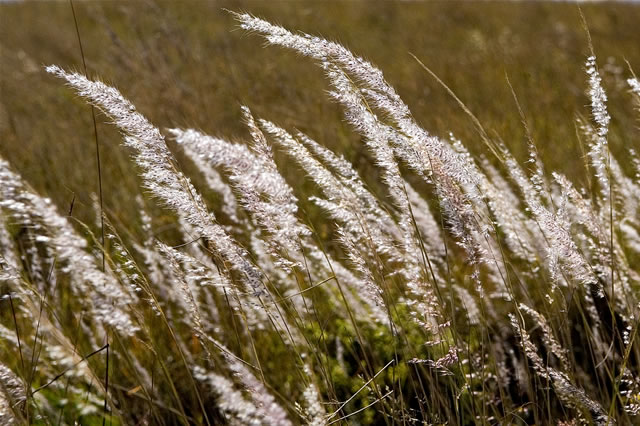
<point>211,218</point>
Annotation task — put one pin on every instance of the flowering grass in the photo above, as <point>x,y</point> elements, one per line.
<point>459,287</point>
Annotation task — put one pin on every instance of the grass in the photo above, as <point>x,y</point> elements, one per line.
<point>488,296</point>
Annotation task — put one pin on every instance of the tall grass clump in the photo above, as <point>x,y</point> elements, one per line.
<point>473,290</point>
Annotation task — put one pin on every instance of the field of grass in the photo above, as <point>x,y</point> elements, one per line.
<point>189,66</point>
<point>496,293</point>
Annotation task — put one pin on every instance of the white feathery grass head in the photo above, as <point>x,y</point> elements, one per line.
<point>346,174</point>
<point>359,263</point>
<point>634,84</point>
<point>175,258</point>
<point>269,409</point>
<point>598,97</point>
<point>277,214</point>
<point>322,50</point>
<point>106,298</point>
<point>229,400</point>
<point>313,410</point>
<point>343,204</point>
<point>430,229</point>
<point>8,271</point>
<point>332,56</point>
<point>423,153</point>
<point>12,394</point>
<point>251,181</point>
<point>7,247</point>
<point>262,191</point>
<point>562,249</point>
<point>160,174</point>
<point>599,151</point>
<point>547,335</point>
<point>565,389</point>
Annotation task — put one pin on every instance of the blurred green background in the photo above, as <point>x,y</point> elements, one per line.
<point>188,64</point>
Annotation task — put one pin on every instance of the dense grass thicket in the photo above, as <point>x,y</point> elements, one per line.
<point>450,283</point>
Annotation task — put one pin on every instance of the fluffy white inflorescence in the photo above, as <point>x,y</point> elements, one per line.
<point>352,211</point>
<point>634,83</point>
<point>160,174</point>
<point>270,202</point>
<point>12,394</point>
<point>429,156</point>
<point>563,386</point>
<point>231,401</point>
<point>106,298</point>
<point>599,152</point>
<point>261,189</point>
<point>598,97</point>
<point>269,197</point>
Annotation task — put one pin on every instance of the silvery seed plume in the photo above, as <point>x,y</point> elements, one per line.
<point>360,264</point>
<point>599,151</point>
<point>461,218</point>
<point>160,174</point>
<point>521,235</point>
<point>430,230</point>
<point>377,137</point>
<point>257,318</point>
<point>563,386</point>
<point>277,214</point>
<point>7,271</point>
<point>376,88</point>
<point>313,410</point>
<point>547,335</point>
<point>349,209</point>
<point>340,188</point>
<point>623,190</point>
<point>240,162</point>
<point>332,55</point>
<point>12,394</point>
<point>630,225</point>
<point>422,152</point>
<point>267,410</point>
<point>364,73</point>
<point>108,301</point>
<point>262,192</point>
<point>345,172</point>
<point>261,189</point>
<point>477,216</point>
<point>216,277</point>
<point>216,183</point>
<point>152,259</point>
<point>277,275</point>
<point>247,177</point>
<point>236,409</point>
<point>634,84</point>
<point>561,250</point>
<point>583,212</point>
<point>7,247</point>
<point>599,240</point>
<point>175,258</point>
<point>261,397</point>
